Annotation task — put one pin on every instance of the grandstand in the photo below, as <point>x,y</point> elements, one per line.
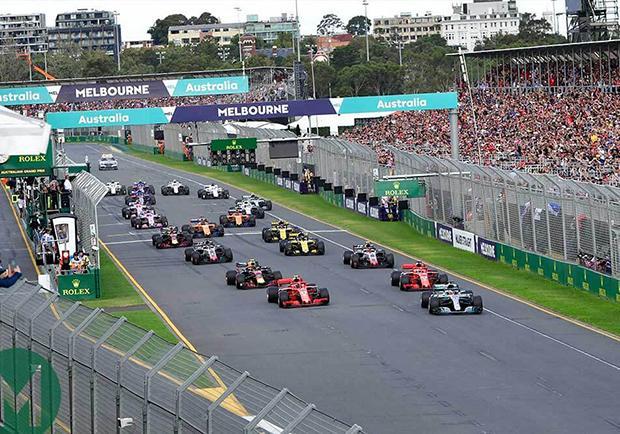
<point>551,109</point>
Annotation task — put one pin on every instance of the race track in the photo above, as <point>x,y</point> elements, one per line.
<point>373,356</point>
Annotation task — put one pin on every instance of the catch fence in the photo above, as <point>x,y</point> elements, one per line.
<point>109,369</point>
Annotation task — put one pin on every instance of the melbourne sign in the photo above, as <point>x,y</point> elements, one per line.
<point>233,144</point>
<point>124,90</point>
<point>246,111</point>
<point>23,371</point>
<point>400,188</point>
<point>26,165</point>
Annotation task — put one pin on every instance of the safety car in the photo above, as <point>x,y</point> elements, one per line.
<point>108,162</point>
<point>296,292</point>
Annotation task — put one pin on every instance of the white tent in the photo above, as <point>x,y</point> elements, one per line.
<point>21,135</point>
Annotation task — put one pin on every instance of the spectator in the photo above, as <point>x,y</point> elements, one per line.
<point>67,184</point>
<point>8,276</point>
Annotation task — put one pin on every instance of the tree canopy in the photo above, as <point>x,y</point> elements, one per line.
<point>159,30</point>
<point>358,25</point>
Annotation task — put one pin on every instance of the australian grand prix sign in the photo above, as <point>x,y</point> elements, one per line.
<point>401,188</point>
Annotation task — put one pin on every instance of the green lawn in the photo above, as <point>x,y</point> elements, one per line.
<point>118,292</point>
<point>571,302</point>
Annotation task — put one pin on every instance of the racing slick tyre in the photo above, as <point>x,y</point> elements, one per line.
<point>124,190</point>
<point>239,281</point>
<point>324,293</point>
<point>231,277</point>
<point>282,245</point>
<point>272,294</point>
<point>395,278</point>
<point>225,194</point>
<point>426,295</point>
<point>346,258</point>
<point>125,213</point>
<point>127,200</point>
<point>288,251</point>
<point>266,233</point>
<point>186,191</point>
<point>153,201</point>
<point>223,220</point>
<point>404,280</point>
<point>433,306</point>
<point>268,205</point>
<point>389,259</point>
<point>277,275</point>
<point>260,213</point>
<point>320,246</point>
<point>151,189</point>
<point>196,258</point>
<point>164,221</point>
<point>442,278</point>
<point>228,255</point>
<point>218,231</point>
<point>477,303</point>
<point>201,194</point>
<point>355,260</point>
<point>134,222</point>
<point>164,191</point>
<point>282,298</point>
<point>188,255</point>
<point>252,220</point>
<point>156,238</point>
<point>186,228</point>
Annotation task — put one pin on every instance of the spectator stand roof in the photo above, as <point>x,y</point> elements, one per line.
<point>21,135</point>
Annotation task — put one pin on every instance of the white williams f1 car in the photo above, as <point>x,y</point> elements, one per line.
<point>213,191</point>
<point>174,188</point>
<point>116,189</point>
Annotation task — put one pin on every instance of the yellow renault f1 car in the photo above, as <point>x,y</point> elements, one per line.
<point>279,231</point>
<point>302,245</point>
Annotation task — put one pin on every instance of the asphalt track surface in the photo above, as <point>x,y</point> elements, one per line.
<point>12,247</point>
<point>373,356</point>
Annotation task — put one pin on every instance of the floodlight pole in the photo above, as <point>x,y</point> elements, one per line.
<point>365,3</point>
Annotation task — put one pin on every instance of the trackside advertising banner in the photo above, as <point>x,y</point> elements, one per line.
<point>128,90</point>
<point>464,240</point>
<point>487,248</point>
<point>99,118</point>
<point>444,233</point>
<point>255,111</point>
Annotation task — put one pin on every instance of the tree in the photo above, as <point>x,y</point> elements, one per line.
<point>346,56</point>
<point>358,25</point>
<point>532,31</point>
<point>159,30</point>
<point>67,62</point>
<point>427,68</point>
<point>284,40</point>
<point>97,64</point>
<point>204,18</point>
<point>330,24</point>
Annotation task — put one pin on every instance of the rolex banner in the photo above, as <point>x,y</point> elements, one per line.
<point>401,188</point>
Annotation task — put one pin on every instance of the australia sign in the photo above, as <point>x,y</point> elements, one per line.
<point>401,188</point>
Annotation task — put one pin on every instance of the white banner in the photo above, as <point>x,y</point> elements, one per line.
<point>349,202</point>
<point>464,240</point>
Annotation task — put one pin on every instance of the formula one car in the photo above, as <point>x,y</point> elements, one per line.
<point>250,207</point>
<point>417,277</point>
<point>170,237</point>
<point>257,201</point>
<point>251,275</point>
<point>237,218</point>
<point>208,252</point>
<point>148,219</point>
<point>115,189</point>
<point>302,245</point>
<point>174,188</point>
<point>143,187</point>
<point>449,298</point>
<point>213,191</point>
<point>140,196</point>
<point>201,228</point>
<point>296,292</point>
<point>134,209</point>
<point>279,231</point>
<point>368,256</point>
<point>108,162</point>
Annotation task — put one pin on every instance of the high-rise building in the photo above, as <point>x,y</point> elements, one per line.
<point>470,23</point>
<point>407,27</point>
<point>26,33</point>
<point>269,30</point>
<point>89,30</point>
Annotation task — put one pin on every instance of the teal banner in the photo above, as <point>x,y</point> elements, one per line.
<point>209,86</point>
<point>106,118</point>
<point>391,103</point>
<point>28,95</point>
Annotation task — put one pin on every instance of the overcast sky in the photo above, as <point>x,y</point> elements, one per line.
<point>136,16</point>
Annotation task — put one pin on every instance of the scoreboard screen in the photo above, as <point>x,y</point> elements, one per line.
<point>233,151</point>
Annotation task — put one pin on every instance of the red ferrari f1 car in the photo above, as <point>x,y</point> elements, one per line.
<point>296,292</point>
<point>417,277</point>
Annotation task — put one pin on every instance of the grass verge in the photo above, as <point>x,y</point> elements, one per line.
<point>570,302</point>
<point>117,292</point>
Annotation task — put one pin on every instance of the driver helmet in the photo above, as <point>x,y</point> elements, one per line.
<point>252,263</point>
<point>419,264</point>
<point>296,278</point>
<point>367,245</point>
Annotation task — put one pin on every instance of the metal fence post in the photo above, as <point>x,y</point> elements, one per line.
<point>184,386</point>
<point>354,430</point>
<point>147,382</point>
<point>265,411</point>
<point>93,360</point>
<point>215,404</point>
<point>58,322</point>
<point>288,429</point>
<point>119,367</point>
<point>89,319</point>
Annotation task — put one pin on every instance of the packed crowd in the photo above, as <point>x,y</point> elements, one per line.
<point>574,134</point>
<point>274,92</point>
